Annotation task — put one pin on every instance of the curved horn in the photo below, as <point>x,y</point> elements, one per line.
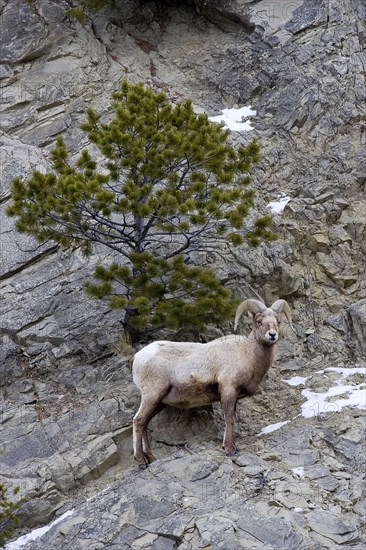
<point>255,306</point>
<point>281,306</point>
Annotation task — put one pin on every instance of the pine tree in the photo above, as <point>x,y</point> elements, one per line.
<point>171,185</point>
<point>8,519</point>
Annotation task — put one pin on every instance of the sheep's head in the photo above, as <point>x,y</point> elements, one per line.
<point>267,320</point>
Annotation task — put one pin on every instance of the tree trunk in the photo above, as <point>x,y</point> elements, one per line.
<point>133,334</point>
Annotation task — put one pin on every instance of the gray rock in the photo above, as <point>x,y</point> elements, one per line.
<point>225,14</point>
<point>345,447</point>
<point>332,529</point>
<point>357,314</point>
<point>295,448</point>
<point>10,367</point>
<point>23,28</point>
<point>310,13</point>
<point>323,477</point>
<point>338,322</point>
<point>22,391</point>
<point>6,72</point>
<point>278,533</point>
<point>315,345</point>
<point>293,364</point>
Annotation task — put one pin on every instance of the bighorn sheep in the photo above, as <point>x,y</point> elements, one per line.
<point>189,374</point>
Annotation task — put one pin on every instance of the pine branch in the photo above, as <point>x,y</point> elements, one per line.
<point>171,185</point>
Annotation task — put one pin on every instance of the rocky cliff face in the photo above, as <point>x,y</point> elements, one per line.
<point>67,397</point>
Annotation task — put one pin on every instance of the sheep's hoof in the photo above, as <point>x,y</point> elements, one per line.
<point>143,466</point>
<point>232,453</point>
<point>149,457</point>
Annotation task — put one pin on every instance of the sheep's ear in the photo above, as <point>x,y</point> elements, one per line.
<point>281,307</point>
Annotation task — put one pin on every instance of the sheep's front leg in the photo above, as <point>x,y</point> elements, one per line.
<point>228,398</point>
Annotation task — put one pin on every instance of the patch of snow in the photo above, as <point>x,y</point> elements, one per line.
<point>344,372</point>
<point>273,427</point>
<point>234,118</point>
<point>36,533</point>
<point>323,402</point>
<point>297,380</point>
<point>299,471</point>
<point>318,403</point>
<point>278,206</point>
<point>298,510</point>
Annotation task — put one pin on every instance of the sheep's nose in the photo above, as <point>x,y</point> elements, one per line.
<point>273,335</point>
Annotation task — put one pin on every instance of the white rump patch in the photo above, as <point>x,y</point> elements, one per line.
<point>147,352</point>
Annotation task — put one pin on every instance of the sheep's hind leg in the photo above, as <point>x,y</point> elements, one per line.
<point>228,398</point>
<point>145,436</point>
<point>147,410</point>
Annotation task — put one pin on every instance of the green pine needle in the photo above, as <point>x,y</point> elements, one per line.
<point>168,180</point>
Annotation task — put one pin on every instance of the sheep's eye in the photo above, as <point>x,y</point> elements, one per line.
<point>259,322</point>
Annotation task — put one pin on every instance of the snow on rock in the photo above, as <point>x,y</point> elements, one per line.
<point>273,427</point>
<point>36,533</point>
<point>299,471</point>
<point>344,371</point>
<point>318,403</point>
<point>234,119</point>
<point>297,380</point>
<point>323,402</point>
<point>278,206</point>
